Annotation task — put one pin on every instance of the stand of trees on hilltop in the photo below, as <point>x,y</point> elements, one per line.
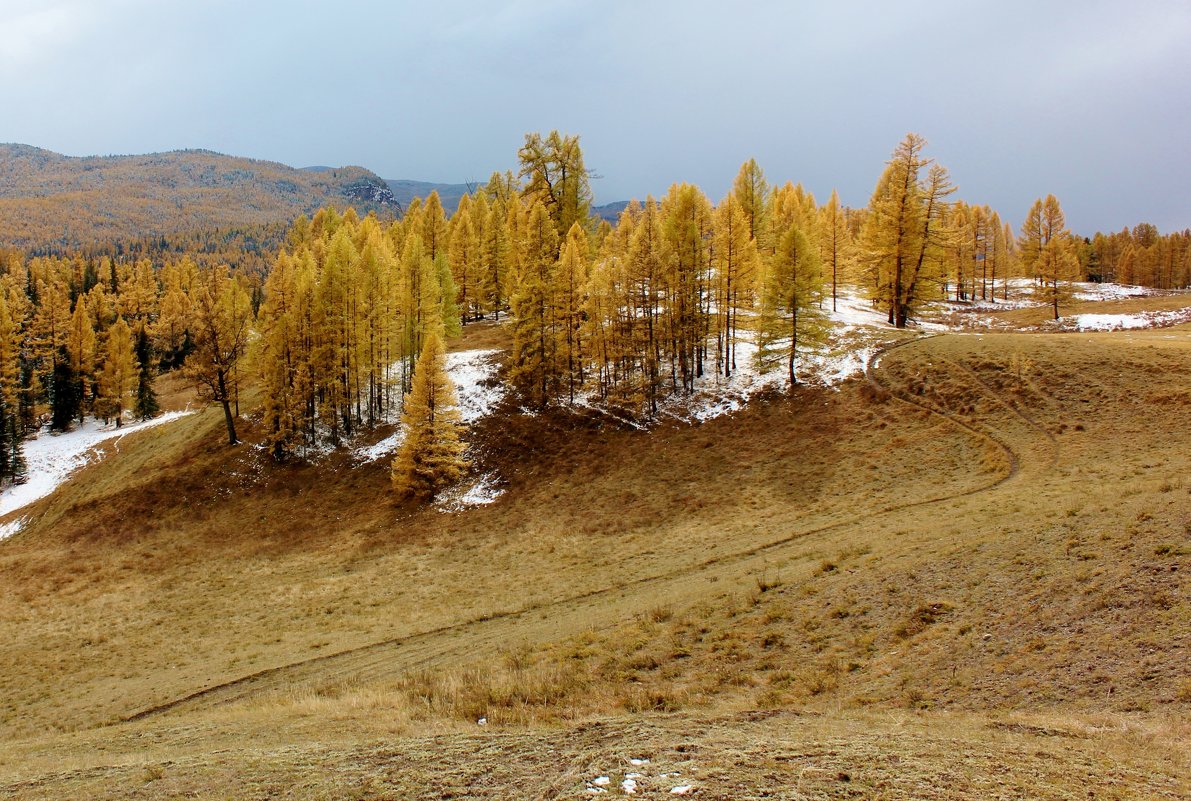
<point>679,289</point>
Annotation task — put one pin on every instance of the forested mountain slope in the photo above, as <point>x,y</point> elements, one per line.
<point>51,201</point>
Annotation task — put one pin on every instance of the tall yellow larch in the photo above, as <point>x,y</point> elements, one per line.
<point>569,293</point>
<point>736,266</point>
<point>431,455</point>
<point>117,378</point>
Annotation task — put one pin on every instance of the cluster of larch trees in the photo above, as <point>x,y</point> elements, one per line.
<point>347,311</point>
<point>627,314</point>
<point>1140,256</point>
<point>354,312</point>
<point>88,336</point>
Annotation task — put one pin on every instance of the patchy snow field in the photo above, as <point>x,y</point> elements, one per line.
<point>1092,291</point>
<point>479,392</point>
<point>51,458</point>
<point>474,374</point>
<point>1121,322</point>
<point>639,780</point>
<point>857,331</point>
<point>11,527</point>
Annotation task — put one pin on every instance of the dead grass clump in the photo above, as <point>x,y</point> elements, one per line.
<point>924,616</point>
<point>637,699</point>
<point>539,692</point>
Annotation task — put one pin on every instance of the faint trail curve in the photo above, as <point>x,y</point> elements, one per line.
<point>393,656</point>
<point>1012,408</point>
<point>1010,454</point>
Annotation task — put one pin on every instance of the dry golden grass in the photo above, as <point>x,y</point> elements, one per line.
<point>988,548</point>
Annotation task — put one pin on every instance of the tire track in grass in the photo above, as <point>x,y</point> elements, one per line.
<point>398,655</point>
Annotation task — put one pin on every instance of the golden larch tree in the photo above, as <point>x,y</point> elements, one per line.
<point>431,455</point>
<point>117,379</point>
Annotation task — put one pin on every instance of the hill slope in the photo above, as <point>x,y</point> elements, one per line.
<point>980,552</point>
<point>48,200</point>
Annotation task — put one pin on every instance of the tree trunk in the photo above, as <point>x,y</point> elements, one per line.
<point>231,425</point>
<point>227,410</point>
<point>793,342</point>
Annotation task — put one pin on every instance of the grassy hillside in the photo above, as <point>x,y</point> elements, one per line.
<point>961,577</point>
<point>51,200</point>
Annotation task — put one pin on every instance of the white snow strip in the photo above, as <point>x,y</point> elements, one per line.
<point>681,789</point>
<point>852,309</point>
<point>464,496</point>
<point>1092,291</point>
<point>638,762</point>
<point>386,447</point>
<point>835,368</point>
<point>629,786</point>
<point>51,458</point>
<point>11,527</point>
<point>996,305</point>
<point>601,781</point>
<point>1120,322</point>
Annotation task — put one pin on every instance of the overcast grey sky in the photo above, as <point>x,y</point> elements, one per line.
<point>1088,100</point>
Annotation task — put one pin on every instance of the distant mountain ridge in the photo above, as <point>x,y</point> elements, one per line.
<point>48,200</point>
<point>404,190</point>
<point>610,211</point>
<point>53,202</point>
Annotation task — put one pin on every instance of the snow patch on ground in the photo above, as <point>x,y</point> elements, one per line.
<point>1121,322</point>
<point>1093,291</point>
<point>51,458</point>
<point>715,395</point>
<point>639,781</point>
<point>483,491</point>
<point>996,305</point>
<point>377,451</point>
<point>843,356</point>
<point>852,310</point>
<point>474,374</point>
<point>834,367</point>
<point>11,527</point>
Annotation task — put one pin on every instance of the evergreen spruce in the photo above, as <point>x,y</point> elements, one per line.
<point>65,395</point>
<point>146,397</point>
